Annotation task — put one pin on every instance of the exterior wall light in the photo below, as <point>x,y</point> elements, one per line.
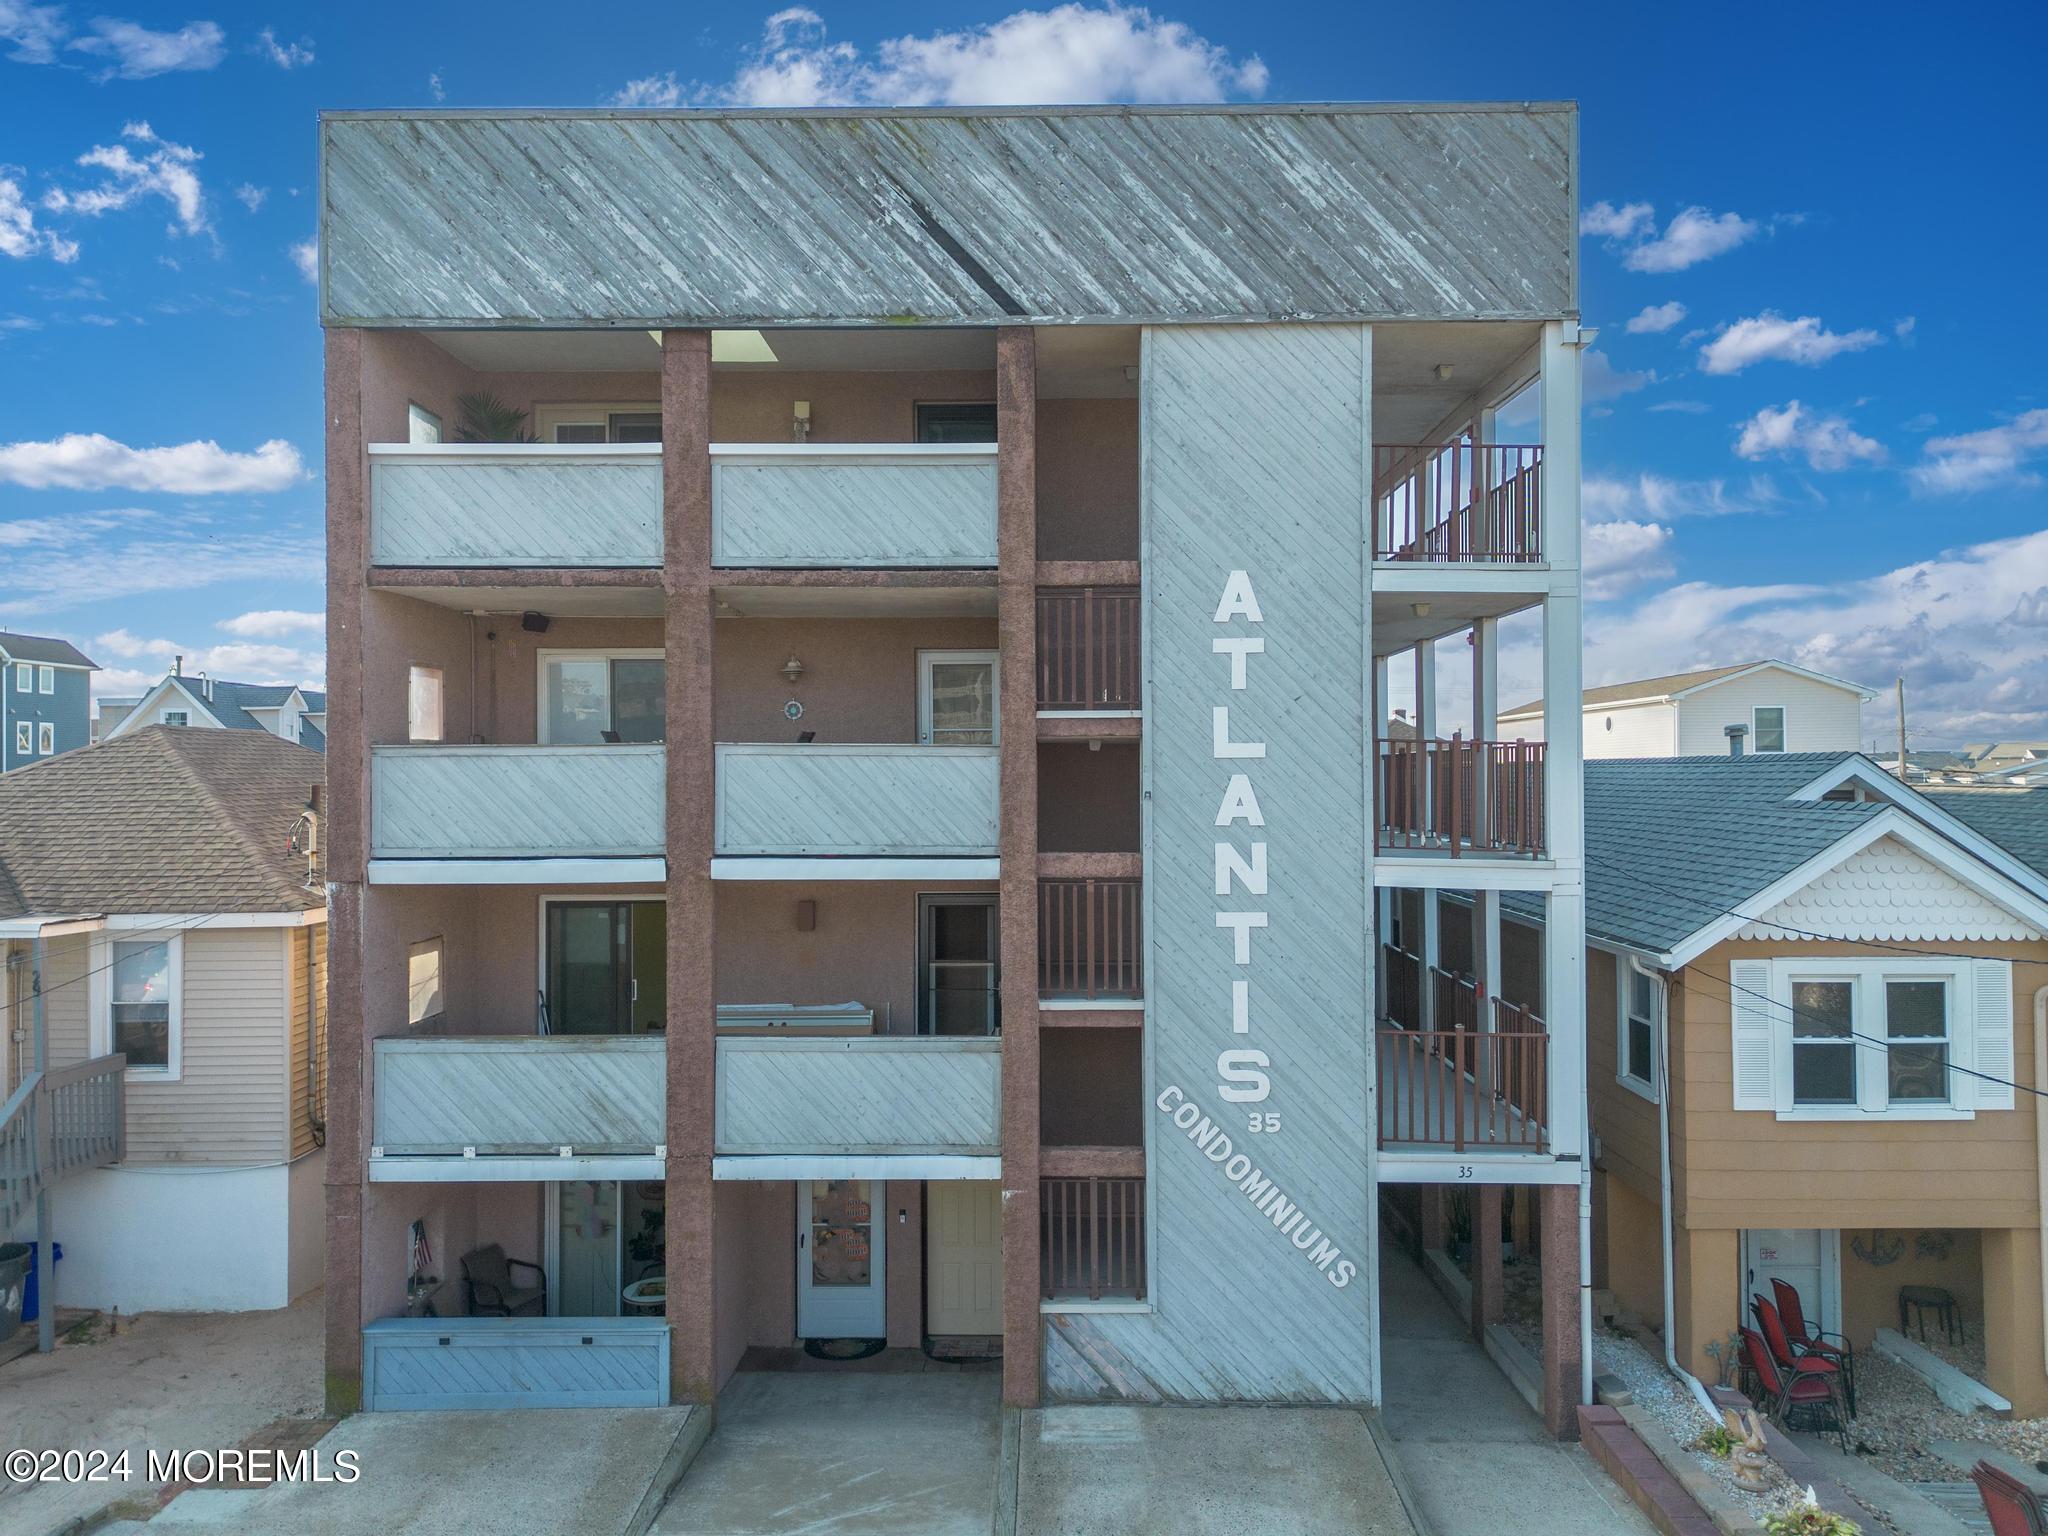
<point>792,669</point>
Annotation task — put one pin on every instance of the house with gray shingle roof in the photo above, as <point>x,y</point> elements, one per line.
<point>283,709</point>
<point>1776,706</point>
<point>44,683</point>
<point>1813,997</point>
<point>163,928</point>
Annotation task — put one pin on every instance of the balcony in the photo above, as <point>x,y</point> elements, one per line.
<point>832,505</point>
<point>1446,1084</point>
<point>876,1095</point>
<point>1088,649</point>
<point>1459,797</point>
<point>517,802</point>
<point>509,505</point>
<point>1450,504</point>
<point>834,800</point>
<point>1090,940</point>
<point>1091,1239</point>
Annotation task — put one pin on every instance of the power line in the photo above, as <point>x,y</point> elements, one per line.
<point>142,934</point>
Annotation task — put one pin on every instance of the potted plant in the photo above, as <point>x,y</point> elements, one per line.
<point>1807,1518</point>
<point>487,419</point>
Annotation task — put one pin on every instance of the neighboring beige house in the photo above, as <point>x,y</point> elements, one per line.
<point>160,893</point>
<point>1779,708</point>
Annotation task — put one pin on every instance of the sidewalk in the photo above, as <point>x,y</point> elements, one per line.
<point>1477,1461</point>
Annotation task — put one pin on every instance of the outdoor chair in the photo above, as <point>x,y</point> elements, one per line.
<point>1788,1355</point>
<point>2014,1508</point>
<point>488,1275</point>
<point>1809,1340</point>
<point>1804,1390</point>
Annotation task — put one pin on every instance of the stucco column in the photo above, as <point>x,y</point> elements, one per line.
<point>345,836</point>
<point>1561,1343</point>
<point>1489,1291</point>
<point>1017,627</point>
<point>2013,1351</point>
<point>692,992</point>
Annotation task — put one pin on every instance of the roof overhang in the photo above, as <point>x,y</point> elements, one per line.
<point>1862,772</point>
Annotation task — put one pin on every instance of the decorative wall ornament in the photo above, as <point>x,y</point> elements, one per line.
<point>793,710</point>
<point>1879,1251</point>
<point>1934,1245</point>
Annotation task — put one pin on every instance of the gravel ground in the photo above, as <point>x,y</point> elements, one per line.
<point>1899,1418</point>
<point>1967,1356</point>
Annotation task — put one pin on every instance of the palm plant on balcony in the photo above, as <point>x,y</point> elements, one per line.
<point>487,419</point>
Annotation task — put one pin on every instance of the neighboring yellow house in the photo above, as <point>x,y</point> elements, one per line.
<point>1829,990</point>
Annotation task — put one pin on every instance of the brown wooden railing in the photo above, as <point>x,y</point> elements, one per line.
<point>1450,503</point>
<point>1460,796</point>
<point>1088,648</point>
<point>1457,1000</point>
<point>1465,1088</point>
<point>1091,1238</point>
<point>1090,938</point>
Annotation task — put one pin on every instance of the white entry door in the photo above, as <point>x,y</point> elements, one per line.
<point>840,1236</point>
<point>1808,1261</point>
<point>963,1245</point>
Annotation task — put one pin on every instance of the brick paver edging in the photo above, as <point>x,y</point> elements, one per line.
<point>1642,1476</point>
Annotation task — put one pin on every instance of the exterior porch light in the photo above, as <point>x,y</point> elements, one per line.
<point>1421,610</point>
<point>792,669</point>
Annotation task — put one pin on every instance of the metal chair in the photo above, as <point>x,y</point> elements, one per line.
<point>1806,1339</point>
<point>487,1274</point>
<point>1805,1389</point>
<point>1787,1355</point>
<point>2014,1508</point>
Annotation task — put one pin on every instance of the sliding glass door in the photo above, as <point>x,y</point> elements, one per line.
<point>606,967</point>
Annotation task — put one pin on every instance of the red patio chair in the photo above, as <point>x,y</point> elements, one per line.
<point>1789,1357</point>
<point>1809,1340</point>
<point>1804,1389</point>
<point>2014,1508</point>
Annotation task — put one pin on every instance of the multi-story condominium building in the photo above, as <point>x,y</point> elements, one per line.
<point>44,685</point>
<point>864,797</point>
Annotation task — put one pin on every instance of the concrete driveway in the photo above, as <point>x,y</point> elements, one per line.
<point>169,1381</point>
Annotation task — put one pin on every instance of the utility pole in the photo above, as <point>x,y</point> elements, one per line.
<point>1902,730</point>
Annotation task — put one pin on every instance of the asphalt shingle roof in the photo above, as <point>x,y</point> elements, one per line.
<point>1642,688</point>
<point>2015,819</point>
<point>169,819</point>
<point>43,648</point>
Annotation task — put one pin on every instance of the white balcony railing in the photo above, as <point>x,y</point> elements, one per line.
<point>881,1095</point>
<point>483,802</point>
<point>853,504</point>
<point>832,799</point>
<point>515,504</point>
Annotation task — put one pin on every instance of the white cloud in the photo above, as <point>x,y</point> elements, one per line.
<point>1662,499</point>
<point>1792,430</point>
<point>1685,407</point>
<point>1612,223</point>
<point>91,461</point>
<point>236,662</point>
<point>283,55</point>
<point>99,557</point>
<point>163,169</point>
<point>1656,319</point>
<point>1770,335</point>
<point>305,256</point>
<point>1617,557</point>
<point>1693,236</point>
<point>19,236</point>
<point>434,87</point>
<point>1976,461</point>
<point>34,30</point>
<point>275,624</point>
<point>251,197</point>
<point>136,53</point>
<point>1601,380</point>
<point>1071,53</point>
<point>1904,328</point>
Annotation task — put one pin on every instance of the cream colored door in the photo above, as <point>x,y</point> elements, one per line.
<point>964,1257</point>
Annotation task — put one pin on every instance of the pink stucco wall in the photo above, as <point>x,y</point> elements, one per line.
<point>859,682</point>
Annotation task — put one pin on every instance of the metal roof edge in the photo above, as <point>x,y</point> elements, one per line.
<point>1078,109</point>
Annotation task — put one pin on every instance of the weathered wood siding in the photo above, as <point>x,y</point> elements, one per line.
<point>828,798</point>
<point>516,802</point>
<point>520,1094</point>
<point>515,504</point>
<point>1748,1169</point>
<point>228,1105</point>
<point>876,1095</point>
<point>824,505</point>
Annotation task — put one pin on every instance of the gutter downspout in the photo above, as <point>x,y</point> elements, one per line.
<point>1585,1222</point>
<point>2041,1148</point>
<point>1665,1217</point>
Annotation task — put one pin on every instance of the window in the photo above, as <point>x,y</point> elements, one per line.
<point>1770,728</point>
<point>956,698</point>
<point>421,425</point>
<point>587,697</point>
<point>46,679</point>
<point>142,1002</point>
<point>1823,1042</point>
<point>956,954</point>
<point>600,424</point>
<point>24,738</point>
<point>423,999</point>
<point>1637,1003</point>
<point>1916,1042</point>
<point>24,677</point>
<point>176,717</point>
<point>46,738</point>
<point>423,704</point>
<point>957,423</point>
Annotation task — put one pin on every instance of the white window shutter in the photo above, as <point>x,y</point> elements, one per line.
<point>1991,1019</point>
<point>1750,1010</point>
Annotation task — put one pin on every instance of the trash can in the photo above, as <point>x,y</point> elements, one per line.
<point>15,1259</point>
<point>30,1308</point>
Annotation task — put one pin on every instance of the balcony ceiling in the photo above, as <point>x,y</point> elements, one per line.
<point>1409,400</point>
<point>1396,626</point>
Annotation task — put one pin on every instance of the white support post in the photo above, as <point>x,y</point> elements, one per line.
<point>1383,899</point>
<point>1487,966</point>
<point>39,1151</point>
<point>1425,732</point>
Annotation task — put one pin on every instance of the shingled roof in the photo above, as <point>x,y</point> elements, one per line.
<point>168,819</point>
<point>43,648</point>
<point>2015,819</point>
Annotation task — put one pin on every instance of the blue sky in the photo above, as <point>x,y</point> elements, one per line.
<point>1816,416</point>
